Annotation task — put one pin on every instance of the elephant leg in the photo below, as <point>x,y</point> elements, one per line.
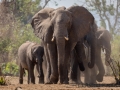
<point>28,77</point>
<point>79,77</point>
<point>67,69</point>
<point>31,72</point>
<point>101,69</point>
<point>53,61</point>
<point>21,74</point>
<point>48,71</point>
<point>86,73</point>
<point>41,75</point>
<point>80,55</point>
<point>73,69</point>
<point>93,75</point>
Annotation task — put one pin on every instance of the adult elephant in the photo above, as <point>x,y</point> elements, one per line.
<point>103,38</point>
<point>29,55</point>
<point>61,31</point>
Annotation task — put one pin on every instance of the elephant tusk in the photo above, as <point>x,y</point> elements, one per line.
<point>53,39</point>
<point>66,38</point>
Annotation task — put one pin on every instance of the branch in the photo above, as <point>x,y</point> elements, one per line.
<point>46,2</point>
<point>108,20</point>
<point>116,16</point>
<point>99,9</point>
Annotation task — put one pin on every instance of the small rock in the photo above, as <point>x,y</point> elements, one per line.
<point>18,88</point>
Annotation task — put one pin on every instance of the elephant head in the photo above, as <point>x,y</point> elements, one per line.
<point>35,53</point>
<point>104,38</point>
<point>63,25</point>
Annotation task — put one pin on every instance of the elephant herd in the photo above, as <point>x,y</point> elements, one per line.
<point>70,43</point>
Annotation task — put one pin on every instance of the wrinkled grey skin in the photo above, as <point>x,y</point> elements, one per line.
<point>29,55</point>
<point>60,31</point>
<point>103,38</point>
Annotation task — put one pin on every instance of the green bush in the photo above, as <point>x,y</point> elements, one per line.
<point>2,80</point>
<point>10,68</point>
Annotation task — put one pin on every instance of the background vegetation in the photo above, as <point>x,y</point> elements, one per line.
<point>15,28</point>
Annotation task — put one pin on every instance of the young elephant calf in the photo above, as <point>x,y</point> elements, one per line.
<point>29,55</point>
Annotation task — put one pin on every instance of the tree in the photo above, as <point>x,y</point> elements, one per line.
<point>13,29</point>
<point>109,13</point>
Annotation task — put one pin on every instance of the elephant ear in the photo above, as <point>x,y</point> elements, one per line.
<point>82,20</point>
<point>30,51</point>
<point>42,25</point>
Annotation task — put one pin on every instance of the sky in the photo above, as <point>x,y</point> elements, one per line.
<point>68,3</point>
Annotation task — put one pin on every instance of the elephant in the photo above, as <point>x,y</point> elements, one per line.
<point>29,55</point>
<point>103,38</point>
<point>61,30</point>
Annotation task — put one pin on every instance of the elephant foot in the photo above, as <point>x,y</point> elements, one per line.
<point>66,82</point>
<point>73,81</point>
<point>21,81</point>
<point>53,79</point>
<point>41,80</point>
<point>79,82</point>
<point>32,83</point>
<point>59,82</point>
<point>47,81</point>
<point>86,80</point>
<point>99,78</point>
<point>92,82</point>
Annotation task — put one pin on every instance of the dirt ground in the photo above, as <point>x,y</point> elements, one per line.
<point>15,86</point>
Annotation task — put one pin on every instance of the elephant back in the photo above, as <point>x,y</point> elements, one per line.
<point>81,13</point>
<point>82,20</point>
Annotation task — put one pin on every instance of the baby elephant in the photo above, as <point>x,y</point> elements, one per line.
<point>29,55</point>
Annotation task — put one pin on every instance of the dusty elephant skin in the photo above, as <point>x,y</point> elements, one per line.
<point>103,39</point>
<point>29,55</point>
<point>61,30</point>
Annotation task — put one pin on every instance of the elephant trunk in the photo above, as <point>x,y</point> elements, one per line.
<point>91,64</point>
<point>60,31</point>
<point>92,42</point>
<point>61,55</point>
<point>107,48</point>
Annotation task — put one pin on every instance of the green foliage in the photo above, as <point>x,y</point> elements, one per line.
<point>2,80</point>
<point>17,31</point>
<point>21,35</point>
<point>10,68</point>
<point>25,9</point>
<point>4,44</point>
<point>115,48</point>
